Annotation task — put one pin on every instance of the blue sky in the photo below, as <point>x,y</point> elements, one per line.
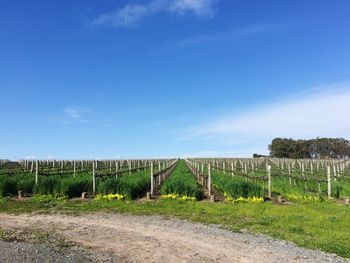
<point>161,78</point>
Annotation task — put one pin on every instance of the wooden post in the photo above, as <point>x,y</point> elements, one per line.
<point>232,169</point>
<point>36,172</point>
<point>159,176</point>
<point>347,201</point>
<point>329,181</point>
<point>269,181</point>
<point>93,178</point>
<point>209,180</point>
<point>289,173</point>
<point>212,198</point>
<point>74,168</point>
<point>152,179</point>
<point>303,175</point>
<point>338,170</point>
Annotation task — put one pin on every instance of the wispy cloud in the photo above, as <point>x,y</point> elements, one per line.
<point>130,15</point>
<point>252,30</point>
<point>78,115</point>
<point>72,115</point>
<point>312,114</point>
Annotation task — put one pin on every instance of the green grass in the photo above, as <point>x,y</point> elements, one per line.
<point>236,186</point>
<point>281,184</point>
<point>132,186</point>
<point>317,225</point>
<point>182,182</point>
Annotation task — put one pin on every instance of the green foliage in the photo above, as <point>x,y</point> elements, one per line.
<point>74,186</point>
<point>47,185</point>
<point>131,186</point>
<point>319,147</point>
<point>26,183</point>
<point>8,186</point>
<point>236,186</point>
<point>181,182</point>
<point>48,198</point>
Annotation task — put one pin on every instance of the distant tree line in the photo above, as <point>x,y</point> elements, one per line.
<point>314,148</point>
<point>256,155</point>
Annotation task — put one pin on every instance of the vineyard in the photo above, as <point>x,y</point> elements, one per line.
<point>230,180</point>
<point>130,179</point>
<point>269,177</point>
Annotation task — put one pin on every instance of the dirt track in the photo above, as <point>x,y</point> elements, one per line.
<point>129,238</point>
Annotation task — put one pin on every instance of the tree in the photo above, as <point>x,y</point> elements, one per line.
<point>314,148</point>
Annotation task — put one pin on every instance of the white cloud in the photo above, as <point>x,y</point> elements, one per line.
<point>130,15</point>
<point>323,113</point>
<point>73,112</point>
<point>252,30</point>
<point>198,7</point>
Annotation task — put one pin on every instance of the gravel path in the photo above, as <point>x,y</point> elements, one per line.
<point>45,252</point>
<point>105,237</point>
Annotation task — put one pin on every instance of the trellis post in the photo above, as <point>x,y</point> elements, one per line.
<point>93,178</point>
<point>209,180</point>
<point>329,181</point>
<point>152,179</point>
<point>36,172</point>
<point>269,180</point>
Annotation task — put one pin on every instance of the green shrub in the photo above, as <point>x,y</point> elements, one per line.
<point>8,186</point>
<point>26,184</point>
<point>47,185</point>
<point>74,186</point>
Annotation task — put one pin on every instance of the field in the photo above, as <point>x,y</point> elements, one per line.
<point>304,201</point>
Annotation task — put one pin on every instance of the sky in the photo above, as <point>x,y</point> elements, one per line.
<point>89,79</point>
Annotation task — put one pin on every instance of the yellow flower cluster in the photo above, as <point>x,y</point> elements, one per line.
<point>303,198</point>
<point>178,197</point>
<point>110,197</point>
<point>253,199</point>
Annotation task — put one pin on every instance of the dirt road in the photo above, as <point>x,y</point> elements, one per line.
<point>129,238</point>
